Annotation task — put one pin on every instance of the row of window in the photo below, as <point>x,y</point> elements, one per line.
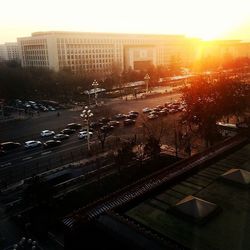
<point>35,63</point>
<point>100,62</point>
<point>104,41</point>
<point>79,69</point>
<point>36,53</point>
<point>40,58</point>
<point>86,66</point>
<point>86,51</point>
<point>37,41</point>
<point>85,57</point>
<point>85,46</point>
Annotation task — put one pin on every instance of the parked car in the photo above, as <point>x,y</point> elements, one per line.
<point>107,128</point>
<point>146,110</point>
<point>132,116</point>
<point>96,125</point>
<point>50,108</point>
<point>114,123</point>
<point>160,106</point>
<point>104,120</point>
<point>120,116</point>
<point>61,137</point>
<point>134,112</point>
<point>156,109</point>
<point>2,153</point>
<point>42,108</point>
<point>75,126</point>
<point>172,111</point>
<point>10,145</point>
<point>32,144</point>
<point>154,113</point>
<point>68,131</point>
<point>47,132</point>
<point>84,135</point>
<point>52,143</point>
<point>152,116</point>
<point>86,129</point>
<point>163,112</point>
<point>128,122</point>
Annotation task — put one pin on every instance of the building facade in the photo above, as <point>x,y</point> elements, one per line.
<point>225,48</point>
<point>9,52</point>
<point>100,52</point>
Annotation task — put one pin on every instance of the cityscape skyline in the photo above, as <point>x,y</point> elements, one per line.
<point>201,19</point>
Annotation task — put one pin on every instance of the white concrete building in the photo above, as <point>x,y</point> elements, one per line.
<point>9,52</point>
<point>100,52</point>
<point>3,53</point>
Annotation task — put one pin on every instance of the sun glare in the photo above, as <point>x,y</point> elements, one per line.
<point>206,19</point>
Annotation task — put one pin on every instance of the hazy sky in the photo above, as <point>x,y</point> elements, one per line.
<point>206,19</point>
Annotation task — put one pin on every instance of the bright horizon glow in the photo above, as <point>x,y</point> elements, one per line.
<point>205,19</point>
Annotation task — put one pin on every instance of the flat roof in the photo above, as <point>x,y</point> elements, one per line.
<point>228,229</point>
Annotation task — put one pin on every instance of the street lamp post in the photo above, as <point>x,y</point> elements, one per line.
<point>147,78</point>
<point>86,115</point>
<point>95,84</point>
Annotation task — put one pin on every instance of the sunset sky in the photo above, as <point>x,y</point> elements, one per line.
<point>207,19</point>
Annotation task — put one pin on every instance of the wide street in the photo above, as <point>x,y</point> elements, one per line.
<point>24,163</point>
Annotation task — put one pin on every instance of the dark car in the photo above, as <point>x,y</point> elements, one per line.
<point>51,143</point>
<point>132,116</point>
<point>68,131</point>
<point>75,126</point>
<point>2,153</point>
<point>114,123</point>
<point>160,106</point>
<point>120,116</point>
<point>156,109</point>
<point>86,129</point>
<point>61,137</point>
<point>107,128</point>
<point>128,122</point>
<point>10,145</point>
<point>134,112</point>
<point>96,125</point>
<point>104,119</point>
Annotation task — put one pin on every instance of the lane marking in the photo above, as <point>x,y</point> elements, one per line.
<point>27,158</point>
<point>45,153</point>
<point>6,164</point>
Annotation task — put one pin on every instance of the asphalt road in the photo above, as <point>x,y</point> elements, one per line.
<point>25,163</point>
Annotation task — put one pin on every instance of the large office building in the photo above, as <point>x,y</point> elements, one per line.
<point>101,52</point>
<point>224,48</point>
<point>9,52</point>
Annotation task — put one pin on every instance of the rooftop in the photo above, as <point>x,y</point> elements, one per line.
<point>229,229</point>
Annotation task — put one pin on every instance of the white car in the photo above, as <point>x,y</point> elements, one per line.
<point>32,144</point>
<point>84,135</point>
<point>152,116</point>
<point>47,133</point>
<point>146,110</point>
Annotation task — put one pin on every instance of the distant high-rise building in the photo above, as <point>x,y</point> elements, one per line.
<point>225,48</point>
<point>102,52</point>
<point>9,52</point>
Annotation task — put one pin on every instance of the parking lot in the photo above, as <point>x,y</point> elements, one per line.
<point>30,129</point>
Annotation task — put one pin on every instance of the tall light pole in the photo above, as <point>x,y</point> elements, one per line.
<point>95,84</point>
<point>86,115</point>
<point>147,78</point>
